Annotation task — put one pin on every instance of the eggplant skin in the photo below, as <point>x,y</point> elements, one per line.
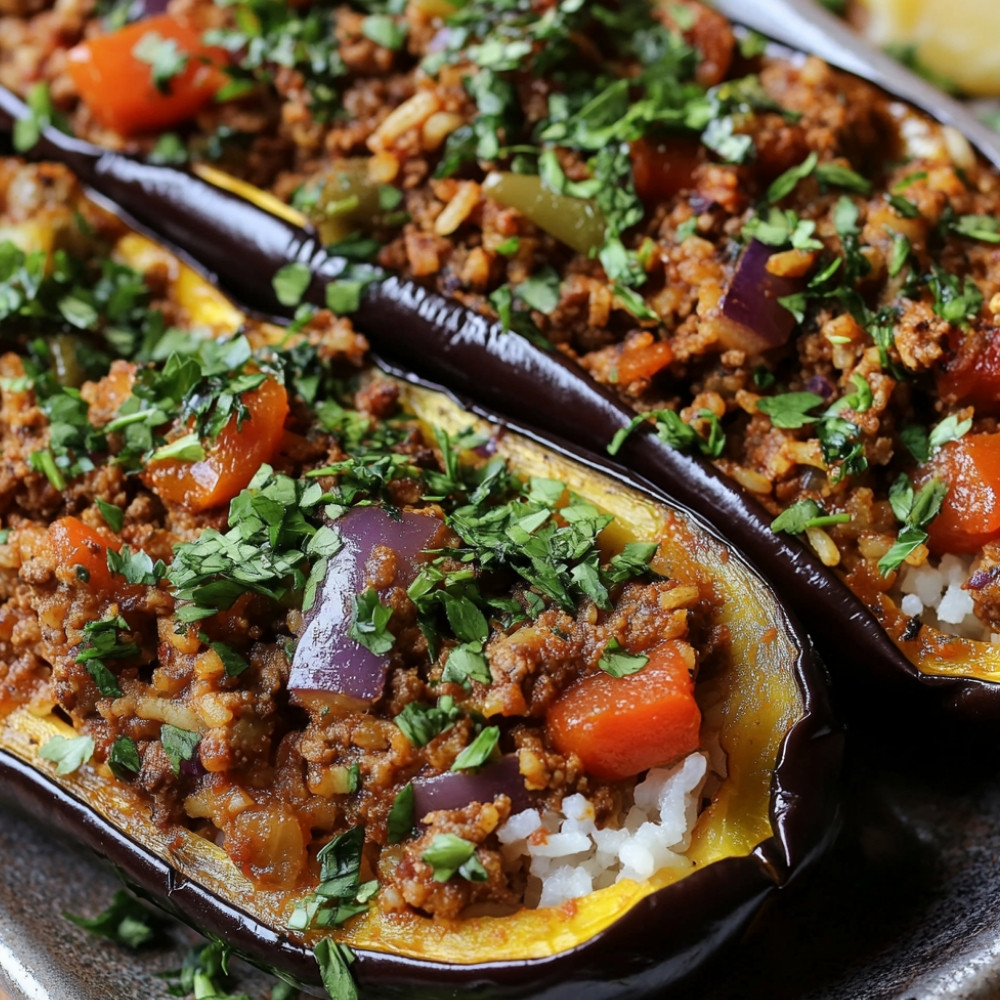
<point>239,246</point>
<point>764,834</point>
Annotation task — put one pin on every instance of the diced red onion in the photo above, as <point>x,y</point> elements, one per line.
<point>329,666</point>
<point>821,385</point>
<point>456,789</point>
<point>753,318</point>
<point>982,578</point>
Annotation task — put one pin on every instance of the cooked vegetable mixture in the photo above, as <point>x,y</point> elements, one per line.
<point>779,266</point>
<point>344,645</point>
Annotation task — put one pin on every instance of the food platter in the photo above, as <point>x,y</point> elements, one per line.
<point>903,907</point>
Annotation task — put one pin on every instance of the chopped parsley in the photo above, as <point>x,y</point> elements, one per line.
<point>124,759</point>
<point>805,514</point>
<point>915,510</point>
<point>125,920</point>
<point>102,642</point>
<point>340,894</point>
<point>671,428</point>
<point>334,960</point>
<point>479,751</point>
<point>179,745</point>
<point>67,753</point>
<point>164,56</point>
<point>450,855</point>
<point>619,663</point>
<point>369,621</point>
<point>401,819</point>
<point>420,722</point>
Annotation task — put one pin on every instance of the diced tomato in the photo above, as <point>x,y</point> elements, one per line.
<point>662,168</point>
<point>231,461</point>
<point>620,726</point>
<point>643,360</point>
<point>971,374</point>
<point>118,88</point>
<point>970,513</point>
<point>82,553</point>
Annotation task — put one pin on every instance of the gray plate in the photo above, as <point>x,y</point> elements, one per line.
<point>906,906</point>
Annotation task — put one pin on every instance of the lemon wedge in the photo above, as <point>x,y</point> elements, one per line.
<point>956,40</point>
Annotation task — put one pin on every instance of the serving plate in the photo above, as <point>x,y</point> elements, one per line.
<point>907,905</point>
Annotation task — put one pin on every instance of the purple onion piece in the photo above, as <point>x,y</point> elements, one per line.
<point>822,386</point>
<point>757,320</point>
<point>456,789</point>
<point>329,666</point>
<point>982,578</point>
<point>139,10</point>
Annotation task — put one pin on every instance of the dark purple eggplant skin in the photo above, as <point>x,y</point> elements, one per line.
<point>656,948</point>
<point>239,247</point>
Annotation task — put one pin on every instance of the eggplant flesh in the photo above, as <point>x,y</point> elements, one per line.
<point>415,331</point>
<point>768,821</point>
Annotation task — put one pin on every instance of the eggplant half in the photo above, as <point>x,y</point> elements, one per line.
<point>241,245</point>
<point>767,816</point>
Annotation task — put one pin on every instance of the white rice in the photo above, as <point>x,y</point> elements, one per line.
<point>935,595</point>
<point>568,856</point>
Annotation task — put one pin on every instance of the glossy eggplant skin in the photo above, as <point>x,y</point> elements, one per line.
<point>654,942</point>
<point>239,246</point>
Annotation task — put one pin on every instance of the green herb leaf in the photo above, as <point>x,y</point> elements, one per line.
<point>68,754</point>
<point>334,960</point>
<point>449,854</point>
<point>479,751</point>
<point>369,621</point>
<point>290,283</point>
<point>113,516</point>
<point>618,663</point>
<point>401,819</point>
<point>124,759</point>
<point>805,514</point>
<point>126,921</point>
<point>179,745</point>
<point>164,56</point>
<point>791,409</point>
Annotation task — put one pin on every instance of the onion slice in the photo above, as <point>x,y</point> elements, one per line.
<point>752,317</point>
<point>329,667</point>
<point>455,789</point>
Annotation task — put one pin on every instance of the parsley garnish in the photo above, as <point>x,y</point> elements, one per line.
<point>420,723</point>
<point>102,641</point>
<point>334,960</point>
<point>369,619</point>
<point>68,754</point>
<point>619,663</point>
<point>675,432</point>
<point>340,894</point>
<point>290,283</point>
<point>449,855</point>
<point>399,825</point>
<point>179,745</point>
<point>915,511</point>
<point>126,921</point>
<point>479,751</point>
<point>165,58</point>
<point>124,759</point>
<point>805,514</point>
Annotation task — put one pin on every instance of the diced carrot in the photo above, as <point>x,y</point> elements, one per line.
<point>231,460</point>
<point>643,361</point>
<point>970,513</point>
<point>82,554</point>
<point>971,373</point>
<point>118,86</point>
<point>620,726</point>
<point>663,168</point>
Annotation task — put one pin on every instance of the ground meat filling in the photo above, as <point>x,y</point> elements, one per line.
<point>612,210</point>
<point>177,502</point>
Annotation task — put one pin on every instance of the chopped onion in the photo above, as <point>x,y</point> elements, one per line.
<point>752,318</point>
<point>455,789</point>
<point>329,667</point>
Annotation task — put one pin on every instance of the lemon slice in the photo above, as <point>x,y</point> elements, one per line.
<point>956,40</point>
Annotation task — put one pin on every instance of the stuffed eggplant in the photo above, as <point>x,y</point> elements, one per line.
<point>794,286</point>
<point>330,666</point>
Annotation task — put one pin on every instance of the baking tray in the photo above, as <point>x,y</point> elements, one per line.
<point>906,906</point>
